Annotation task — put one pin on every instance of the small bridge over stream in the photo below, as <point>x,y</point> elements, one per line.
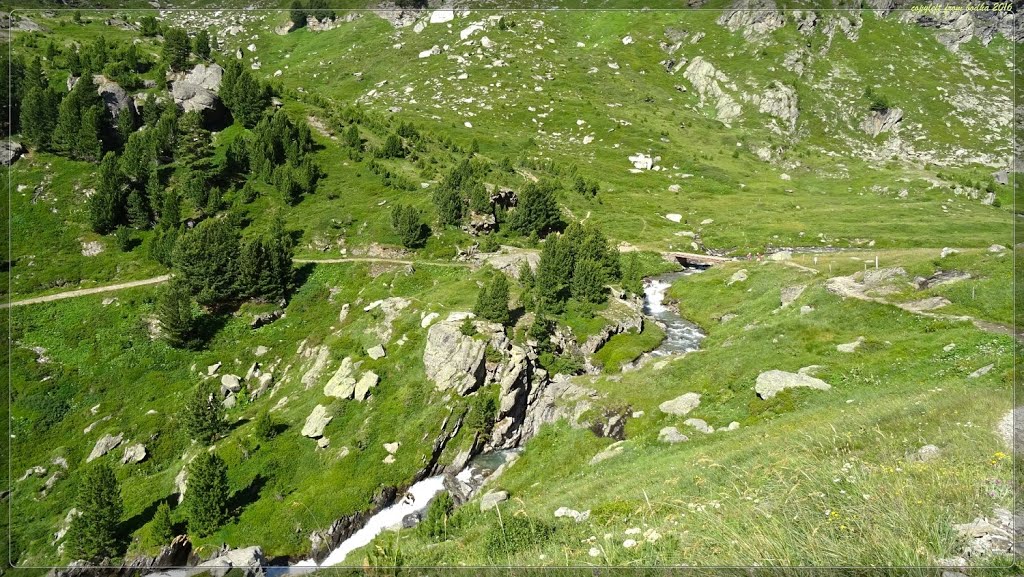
<point>694,259</point>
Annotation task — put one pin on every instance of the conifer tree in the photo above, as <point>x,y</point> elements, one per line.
<point>207,498</point>
<point>176,49</point>
<point>537,211</point>
<point>588,282</point>
<point>492,302</point>
<point>407,222</point>
<point>138,210</point>
<point>203,417</point>
<point>125,125</point>
<point>93,535</point>
<point>448,201</point>
<point>201,44</point>
<point>174,311</point>
<point>162,529</point>
<point>38,119</point>
<point>352,139</point>
<point>106,205</point>
<point>206,260</point>
<point>88,147</point>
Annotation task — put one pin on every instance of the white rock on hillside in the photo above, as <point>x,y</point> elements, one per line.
<point>342,384</point>
<point>316,422</point>
<point>850,347</point>
<point>368,381</point>
<point>104,446</point>
<point>491,499</point>
<point>442,16</point>
<point>681,405</point>
<point>671,435</point>
<point>134,454</point>
<point>770,383</point>
<point>451,359</point>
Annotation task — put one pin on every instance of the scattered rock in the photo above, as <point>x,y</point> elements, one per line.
<point>134,454</point>
<point>323,443</point>
<point>1011,428</point>
<point>263,319</point>
<point>453,360</point>
<point>376,352</point>
<point>368,381</point>
<point>738,276</point>
<point>91,248</point>
<point>997,248</point>
<point>790,294</point>
<point>980,372</point>
<point>926,453</point>
<point>674,217</point>
<point>37,471</point>
<point>806,310</point>
<point>608,452</point>
<point>104,446</point>
<point>681,405</point>
<point>342,384</point>
<point>491,499</point>
<point>780,256</point>
<point>990,536</point>
<point>316,422</point>
<point>248,562</point>
<point>947,252</point>
<point>671,435</point>
<point>699,424</point>
<point>392,447</point>
<point>878,122</point>
<point>850,347</point>
<point>572,514</point>
<point>212,369</point>
<point>230,384</point>
<point>770,383</point>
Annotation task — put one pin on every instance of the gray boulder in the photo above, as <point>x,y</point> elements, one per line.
<point>106,444</point>
<point>491,499</point>
<point>878,122</point>
<point>316,422</point>
<point>10,151</point>
<point>114,97</point>
<point>681,405</point>
<point>376,352</point>
<point>134,454</point>
<point>770,383</point>
<point>342,384</point>
<point>249,561</point>
<point>368,381</point>
<point>453,360</point>
<point>671,435</point>
<point>230,384</point>
<point>700,424</point>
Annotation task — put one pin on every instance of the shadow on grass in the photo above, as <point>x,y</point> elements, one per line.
<point>247,496</point>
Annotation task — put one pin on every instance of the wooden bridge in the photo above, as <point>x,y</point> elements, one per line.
<point>694,259</point>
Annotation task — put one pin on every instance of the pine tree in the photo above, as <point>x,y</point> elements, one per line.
<point>537,211</point>
<point>69,121</point>
<point>297,13</point>
<point>170,211</point>
<point>407,222</point>
<point>492,302</point>
<point>39,116</point>
<point>88,147</point>
<point>93,535</point>
<point>125,125</point>
<point>106,205</point>
<point>448,201</point>
<point>174,311</point>
<point>161,530</point>
<point>12,83</point>
<point>176,49</point>
<point>319,10</point>
<point>632,275</point>
<point>553,273</point>
<point>263,428</point>
<point>249,97</point>
<point>207,497</point>
<point>352,139</point>
<point>201,44</point>
<point>588,282</point>
<point>161,247</point>
<point>392,147</point>
<point>138,210</point>
<point>206,260</point>
<point>139,156</point>
<point>194,142</point>
<point>203,416</point>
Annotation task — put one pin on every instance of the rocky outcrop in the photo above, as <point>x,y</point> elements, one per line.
<point>134,454</point>
<point>249,560</point>
<point>878,122</point>
<point>756,18</point>
<point>780,101</point>
<point>10,151</point>
<point>455,361</point>
<point>681,405</point>
<point>197,91</point>
<point>771,383</point>
<point>708,82</point>
<point>342,384</point>
<point>114,97</point>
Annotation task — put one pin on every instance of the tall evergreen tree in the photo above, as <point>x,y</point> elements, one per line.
<point>206,260</point>
<point>448,201</point>
<point>125,125</point>
<point>93,535</point>
<point>207,498</point>
<point>139,157</point>
<point>588,282</point>
<point>194,143</point>
<point>174,311</point>
<point>203,415</point>
<point>553,273</point>
<point>13,84</point>
<point>170,211</point>
<point>138,210</point>
<point>161,529</point>
<point>176,49</point>
<point>249,98</point>
<point>352,139</point>
<point>201,44</point>
<point>408,223</point>
<point>537,211</point>
<point>39,116</point>
<point>89,147</point>
<point>492,302</point>
<point>106,205</point>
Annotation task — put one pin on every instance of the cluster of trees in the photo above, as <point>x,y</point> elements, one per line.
<point>245,95</point>
<point>277,151</point>
<point>461,191</point>
<point>407,222</point>
<point>577,265</point>
<point>300,12</point>
<point>178,47</point>
<point>492,300</point>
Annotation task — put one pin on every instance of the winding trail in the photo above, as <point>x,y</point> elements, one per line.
<point>165,277</point>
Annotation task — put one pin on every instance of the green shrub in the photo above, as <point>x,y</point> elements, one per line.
<point>437,522</point>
